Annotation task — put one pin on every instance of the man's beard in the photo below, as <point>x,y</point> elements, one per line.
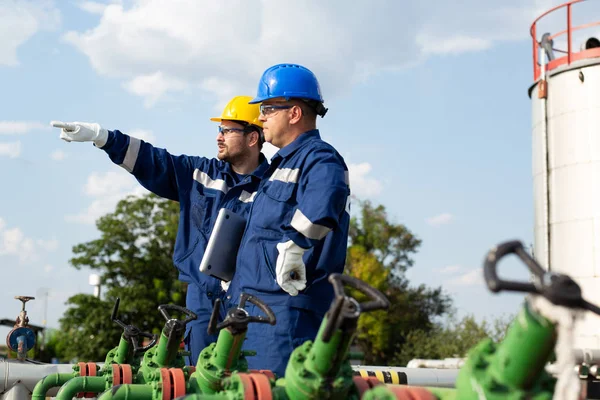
<point>229,157</point>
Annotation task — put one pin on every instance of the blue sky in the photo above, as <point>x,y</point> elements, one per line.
<point>428,105</point>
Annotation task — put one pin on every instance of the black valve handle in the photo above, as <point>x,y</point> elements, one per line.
<point>494,283</point>
<point>164,308</point>
<point>559,289</point>
<point>378,300</point>
<point>131,333</point>
<point>345,308</point>
<point>238,318</point>
<point>141,349</point>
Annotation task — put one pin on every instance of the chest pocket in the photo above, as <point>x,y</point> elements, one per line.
<point>278,203</point>
<point>202,206</point>
<point>279,191</point>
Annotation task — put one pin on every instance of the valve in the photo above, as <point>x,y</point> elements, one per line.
<point>173,325</point>
<point>237,319</point>
<point>559,289</point>
<point>218,360</point>
<point>21,338</point>
<point>321,369</point>
<point>172,333</point>
<point>130,336</point>
<point>22,319</point>
<point>515,367</point>
<point>344,311</point>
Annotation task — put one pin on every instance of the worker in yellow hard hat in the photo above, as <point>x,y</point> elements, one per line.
<point>241,117</point>
<point>201,185</point>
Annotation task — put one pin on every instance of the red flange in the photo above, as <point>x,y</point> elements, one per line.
<point>364,384</point>
<point>126,374</point>
<point>411,393</point>
<point>178,382</point>
<point>167,384</point>
<point>248,384</point>
<point>262,386</point>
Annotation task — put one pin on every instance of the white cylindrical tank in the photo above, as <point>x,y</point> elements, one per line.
<point>566,171</point>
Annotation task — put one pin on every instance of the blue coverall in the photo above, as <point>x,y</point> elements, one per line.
<point>303,197</point>
<point>202,186</point>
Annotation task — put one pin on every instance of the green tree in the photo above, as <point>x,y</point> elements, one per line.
<point>379,253</point>
<point>133,257</point>
<point>453,339</point>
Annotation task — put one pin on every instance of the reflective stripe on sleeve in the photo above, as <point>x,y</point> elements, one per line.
<point>131,155</point>
<point>303,225</point>
<point>208,182</point>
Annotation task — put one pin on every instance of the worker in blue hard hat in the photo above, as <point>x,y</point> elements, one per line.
<point>201,185</point>
<point>297,228</point>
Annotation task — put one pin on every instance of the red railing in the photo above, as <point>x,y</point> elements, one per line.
<point>569,56</point>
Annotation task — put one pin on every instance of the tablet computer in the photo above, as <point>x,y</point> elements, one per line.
<point>221,251</point>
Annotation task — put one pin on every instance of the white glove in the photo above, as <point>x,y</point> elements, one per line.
<point>290,269</point>
<point>225,285</point>
<point>82,132</point>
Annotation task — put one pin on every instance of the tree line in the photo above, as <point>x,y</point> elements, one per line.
<point>133,258</point>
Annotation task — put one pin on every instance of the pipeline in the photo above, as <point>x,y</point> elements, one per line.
<point>28,374</point>
<point>81,384</point>
<point>432,377</point>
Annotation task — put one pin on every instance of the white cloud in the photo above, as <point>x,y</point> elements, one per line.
<point>160,47</point>
<point>48,245</point>
<point>58,155</point>
<point>145,135</point>
<point>471,278</point>
<point>19,127</point>
<point>48,268</point>
<point>361,184</point>
<point>93,7</point>
<point>441,219</point>
<point>21,19</point>
<point>108,183</point>
<point>153,86</point>
<point>450,269</point>
<point>222,88</point>
<point>107,189</point>
<point>13,242</point>
<point>10,149</point>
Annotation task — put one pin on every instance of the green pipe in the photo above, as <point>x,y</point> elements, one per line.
<point>525,350</point>
<point>326,359</point>
<point>122,351</point>
<point>162,354</point>
<point>92,384</point>
<point>127,392</point>
<point>47,383</point>
<point>442,393</point>
<point>227,350</point>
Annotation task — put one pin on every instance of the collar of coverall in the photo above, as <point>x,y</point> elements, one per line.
<point>258,172</point>
<point>298,143</point>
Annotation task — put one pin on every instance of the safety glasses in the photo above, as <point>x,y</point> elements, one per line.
<point>225,131</point>
<point>268,109</point>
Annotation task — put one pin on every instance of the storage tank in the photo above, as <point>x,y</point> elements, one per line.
<point>565,101</point>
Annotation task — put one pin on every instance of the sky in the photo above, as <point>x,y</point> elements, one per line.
<point>428,104</point>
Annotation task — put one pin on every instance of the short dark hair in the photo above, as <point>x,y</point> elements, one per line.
<point>316,107</point>
<point>249,128</point>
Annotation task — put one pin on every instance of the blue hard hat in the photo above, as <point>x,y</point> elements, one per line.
<point>289,81</point>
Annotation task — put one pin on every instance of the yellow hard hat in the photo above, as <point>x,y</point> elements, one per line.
<point>238,109</point>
